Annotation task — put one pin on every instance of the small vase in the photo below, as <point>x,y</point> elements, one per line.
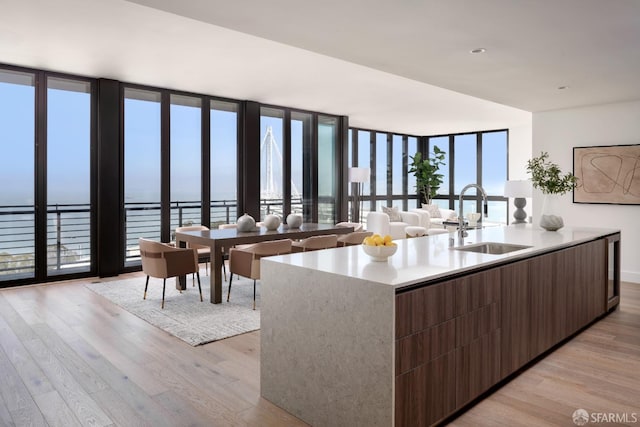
<point>272,222</point>
<point>294,220</point>
<point>246,223</point>
<point>550,218</point>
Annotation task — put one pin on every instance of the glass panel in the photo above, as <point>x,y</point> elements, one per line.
<point>411,180</point>
<point>141,168</point>
<point>398,159</point>
<point>350,189</point>
<point>271,178</point>
<point>465,163</point>
<point>68,176</point>
<point>300,144</point>
<point>327,140</point>
<point>494,162</point>
<point>364,161</point>
<point>17,153</point>
<point>224,159</point>
<point>186,159</point>
<point>382,168</point>
<point>442,142</point>
<point>497,212</point>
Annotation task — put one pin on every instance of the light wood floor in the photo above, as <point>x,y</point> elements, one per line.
<point>69,357</point>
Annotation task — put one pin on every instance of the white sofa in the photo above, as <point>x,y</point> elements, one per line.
<point>436,222</point>
<point>378,222</point>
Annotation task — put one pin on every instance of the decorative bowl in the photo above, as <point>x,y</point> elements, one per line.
<point>379,253</point>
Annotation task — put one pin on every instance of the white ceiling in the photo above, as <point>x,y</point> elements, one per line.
<point>401,66</point>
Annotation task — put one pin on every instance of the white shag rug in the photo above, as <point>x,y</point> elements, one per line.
<point>184,316</point>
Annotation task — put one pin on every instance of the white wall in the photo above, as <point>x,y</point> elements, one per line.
<point>557,132</point>
<point>519,153</point>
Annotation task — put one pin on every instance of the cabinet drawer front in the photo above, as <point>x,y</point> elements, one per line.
<point>418,349</point>
<point>477,323</point>
<point>422,308</point>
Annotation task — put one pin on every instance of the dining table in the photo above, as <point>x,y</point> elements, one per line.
<point>220,240</point>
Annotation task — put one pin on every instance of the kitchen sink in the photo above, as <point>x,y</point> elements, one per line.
<point>492,248</point>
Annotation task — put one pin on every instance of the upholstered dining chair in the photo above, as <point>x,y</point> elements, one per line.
<point>315,243</point>
<point>162,261</point>
<point>202,250</point>
<point>353,238</point>
<point>246,261</point>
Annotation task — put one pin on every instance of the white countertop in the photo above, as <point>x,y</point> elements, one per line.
<point>428,258</point>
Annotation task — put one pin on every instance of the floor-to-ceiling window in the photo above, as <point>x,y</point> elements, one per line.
<point>412,149</point>
<point>301,195</point>
<point>142,171</point>
<point>68,175</point>
<point>271,173</point>
<point>186,160</point>
<point>474,158</point>
<point>365,160</point>
<point>382,169</point>
<point>46,137</point>
<point>17,153</point>
<point>442,195</point>
<point>388,157</point>
<point>224,159</point>
<point>495,173</point>
<point>327,169</point>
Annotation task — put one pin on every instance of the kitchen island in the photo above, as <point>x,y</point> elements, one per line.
<point>349,341</point>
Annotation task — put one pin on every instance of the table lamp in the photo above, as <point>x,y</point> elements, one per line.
<point>358,176</point>
<point>519,190</point>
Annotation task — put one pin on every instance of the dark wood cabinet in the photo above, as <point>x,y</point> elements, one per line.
<point>447,346</point>
<point>547,304</point>
<point>457,338</point>
<point>613,271</point>
<point>515,322</point>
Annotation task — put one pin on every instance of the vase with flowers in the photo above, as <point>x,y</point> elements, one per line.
<point>548,177</point>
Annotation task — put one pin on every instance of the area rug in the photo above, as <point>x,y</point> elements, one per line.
<point>184,316</point>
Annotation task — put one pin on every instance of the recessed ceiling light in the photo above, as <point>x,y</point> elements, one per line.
<point>563,87</point>
<point>479,50</point>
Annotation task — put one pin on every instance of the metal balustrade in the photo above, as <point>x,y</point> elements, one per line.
<point>69,231</point>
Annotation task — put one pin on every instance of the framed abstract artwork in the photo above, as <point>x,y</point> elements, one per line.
<point>607,174</point>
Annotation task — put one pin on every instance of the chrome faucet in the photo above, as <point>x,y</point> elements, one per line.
<point>462,228</point>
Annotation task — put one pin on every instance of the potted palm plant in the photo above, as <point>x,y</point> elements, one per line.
<point>428,180</point>
<point>548,177</point>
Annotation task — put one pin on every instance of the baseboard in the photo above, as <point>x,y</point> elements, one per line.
<point>630,276</point>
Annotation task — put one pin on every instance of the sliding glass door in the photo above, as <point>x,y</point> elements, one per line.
<point>68,176</point>
<point>46,214</point>
<point>17,175</point>
<point>142,180</point>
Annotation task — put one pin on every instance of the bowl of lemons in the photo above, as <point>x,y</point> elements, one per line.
<point>378,247</point>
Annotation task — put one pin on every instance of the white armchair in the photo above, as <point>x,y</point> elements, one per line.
<point>378,222</point>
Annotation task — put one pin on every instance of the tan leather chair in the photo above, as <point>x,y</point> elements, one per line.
<point>315,243</point>
<point>162,261</point>
<point>354,238</point>
<point>202,250</point>
<point>246,261</point>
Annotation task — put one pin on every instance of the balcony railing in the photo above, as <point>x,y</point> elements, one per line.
<point>69,231</point>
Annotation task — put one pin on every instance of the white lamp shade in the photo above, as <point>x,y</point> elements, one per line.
<point>359,174</point>
<point>518,188</point>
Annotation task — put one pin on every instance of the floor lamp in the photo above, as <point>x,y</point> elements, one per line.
<point>358,176</point>
<point>518,190</point>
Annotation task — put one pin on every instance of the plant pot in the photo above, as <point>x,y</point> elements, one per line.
<point>550,218</point>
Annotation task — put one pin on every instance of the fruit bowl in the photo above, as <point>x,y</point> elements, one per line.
<point>379,253</point>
